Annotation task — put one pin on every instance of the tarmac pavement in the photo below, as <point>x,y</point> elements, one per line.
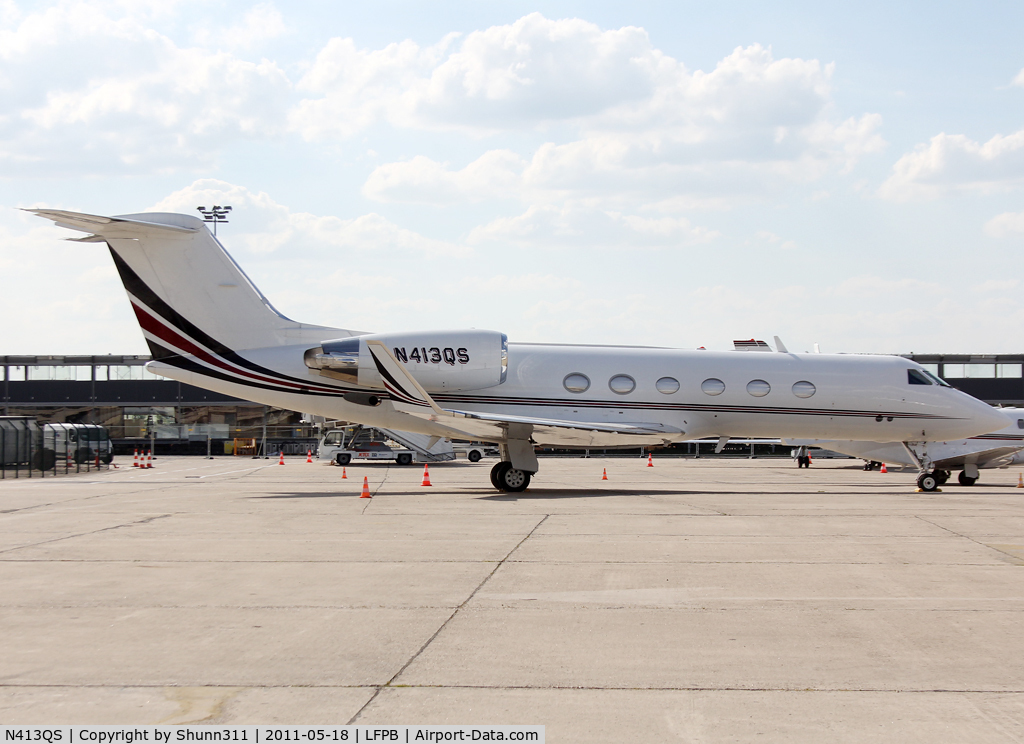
<point>705,600</point>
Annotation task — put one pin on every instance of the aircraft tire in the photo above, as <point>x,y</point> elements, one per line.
<point>343,458</point>
<point>474,456</point>
<point>943,476</point>
<point>107,459</point>
<point>927,482</point>
<point>494,473</point>
<point>513,480</point>
<point>965,480</point>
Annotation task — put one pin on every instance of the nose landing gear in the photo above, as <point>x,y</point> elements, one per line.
<point>928,481</point>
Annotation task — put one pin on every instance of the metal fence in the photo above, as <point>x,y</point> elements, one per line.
<point>27,450</point>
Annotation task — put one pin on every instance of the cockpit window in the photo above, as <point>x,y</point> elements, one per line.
<point>937,380</point>
<point>916,377</point>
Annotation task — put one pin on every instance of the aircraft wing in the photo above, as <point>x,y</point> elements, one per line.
<point>404,388</point>
<point>990,458</point>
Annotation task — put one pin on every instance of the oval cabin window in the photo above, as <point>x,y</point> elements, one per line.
<point>758,388</point>
<point>804,389</point>
<point>576,383</point>
<point>622,384</point>
<point>713,386</point>
<point>667,385</point>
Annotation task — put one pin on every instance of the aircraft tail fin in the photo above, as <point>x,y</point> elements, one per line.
<point>184,286</point>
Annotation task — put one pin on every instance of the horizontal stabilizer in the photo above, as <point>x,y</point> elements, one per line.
<point>110,227</point>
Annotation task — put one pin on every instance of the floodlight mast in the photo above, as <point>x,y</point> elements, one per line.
<point>214,214</point>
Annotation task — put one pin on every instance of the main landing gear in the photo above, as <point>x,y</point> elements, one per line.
<point>504,477</point>
<point>966,480</point>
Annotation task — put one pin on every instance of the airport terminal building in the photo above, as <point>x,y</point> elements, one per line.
<point>138,407</point>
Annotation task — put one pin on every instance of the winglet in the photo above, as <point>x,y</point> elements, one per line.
<point>398,381</point>
<point>779,346</point>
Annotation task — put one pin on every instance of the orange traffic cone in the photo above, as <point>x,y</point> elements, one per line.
<point>366,489</point>
<point>884,469</point>
<point>604,473</point>
<point>309,455</point>
<point>135,464</point>
<point>650,460</point>
<point>149,458</point>
<point>281,461</point>
<point>426,475</point>
<point>343,473</point>
<point>97,460</point>
<point>1020,480</point>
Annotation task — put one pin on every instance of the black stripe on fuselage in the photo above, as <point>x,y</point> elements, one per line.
<point>177,360</point>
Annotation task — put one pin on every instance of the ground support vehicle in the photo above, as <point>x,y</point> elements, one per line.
<point>343,446</point>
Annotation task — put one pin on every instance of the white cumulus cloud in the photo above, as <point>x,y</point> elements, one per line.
<point>89,88</point>
<point>579,224</point>
<point>1005,224</point>
<point>949,163</point>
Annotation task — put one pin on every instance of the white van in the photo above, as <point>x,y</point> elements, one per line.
<point>77,442</point>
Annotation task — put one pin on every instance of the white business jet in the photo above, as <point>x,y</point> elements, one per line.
<point>207,325</point>
<point>1000,449</point>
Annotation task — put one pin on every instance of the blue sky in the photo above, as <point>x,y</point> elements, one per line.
<point>675,174</point>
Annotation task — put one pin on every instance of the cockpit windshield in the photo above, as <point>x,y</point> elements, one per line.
<point>917,377</point>
<point>924,377</point>
<point>936,379</point>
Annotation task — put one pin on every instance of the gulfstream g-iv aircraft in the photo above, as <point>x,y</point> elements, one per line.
<point>207,325</point>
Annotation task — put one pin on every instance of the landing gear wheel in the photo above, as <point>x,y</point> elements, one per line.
<point>965,480</point>
<point>504,477</point>
<point>474,456</point>
<point>404,459</point>
<point>943,476</point>
<point>343,458</point>
<point>107,459</point>
<point>513,480</point>
<point>928,482</point>
<point>494,474</point>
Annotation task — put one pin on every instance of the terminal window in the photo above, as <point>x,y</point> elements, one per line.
<point>980,371</point>
<point>59,372</point>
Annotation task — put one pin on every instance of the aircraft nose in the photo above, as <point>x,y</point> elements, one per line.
<point>988,418</point>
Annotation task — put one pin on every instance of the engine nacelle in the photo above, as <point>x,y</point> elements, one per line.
<point>441,361</point>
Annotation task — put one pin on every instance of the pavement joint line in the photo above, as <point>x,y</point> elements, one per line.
<point>695,605</point>
<point>387,472</point>
<point>723,689</point>
<point>1016,558</point>
<point>90,532</point>
<point>444,625</point>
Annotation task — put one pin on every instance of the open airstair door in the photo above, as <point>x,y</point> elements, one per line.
<point>426,447</point>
